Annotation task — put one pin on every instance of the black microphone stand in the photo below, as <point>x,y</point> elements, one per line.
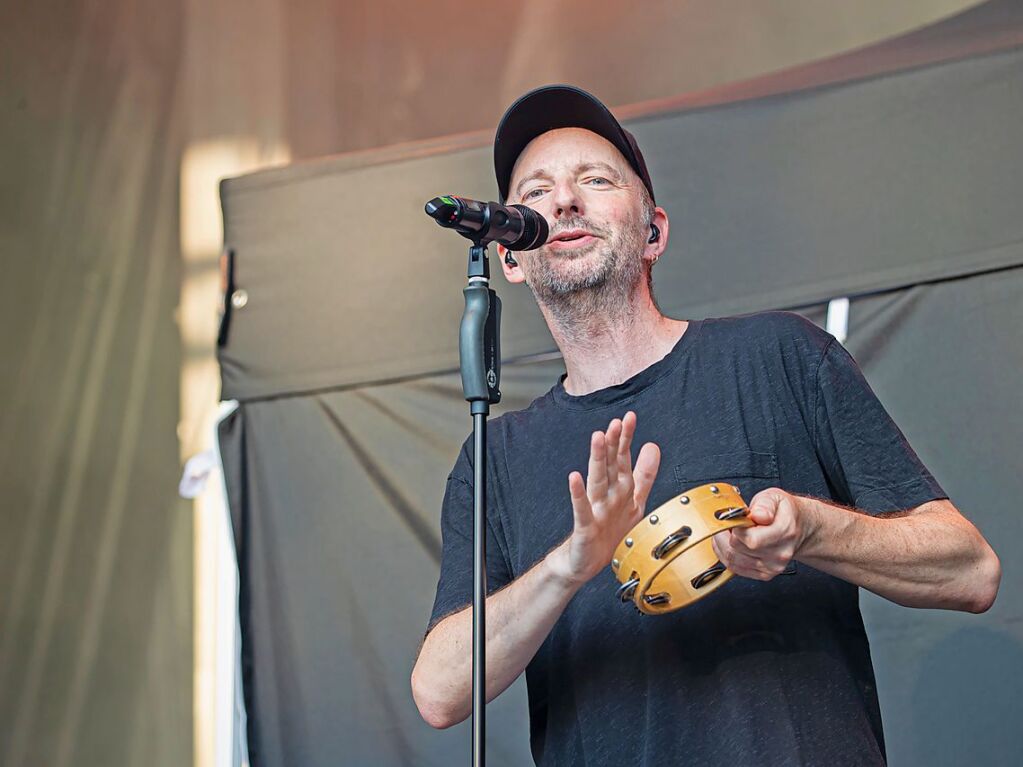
<point>479,352</point>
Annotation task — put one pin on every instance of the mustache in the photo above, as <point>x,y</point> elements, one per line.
<point>579,222</point>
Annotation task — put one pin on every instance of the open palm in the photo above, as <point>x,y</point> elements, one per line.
<point>611,500</point>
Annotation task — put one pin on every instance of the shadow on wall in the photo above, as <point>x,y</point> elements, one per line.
<point>985,667</point>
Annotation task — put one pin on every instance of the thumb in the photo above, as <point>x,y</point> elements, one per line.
<point>763,507</point>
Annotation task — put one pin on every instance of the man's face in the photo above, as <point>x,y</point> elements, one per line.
<point>593,202</point>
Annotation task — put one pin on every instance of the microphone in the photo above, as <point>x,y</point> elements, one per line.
<point>514,226</point>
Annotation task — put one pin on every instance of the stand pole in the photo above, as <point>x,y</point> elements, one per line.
<point>479,593</point>
<point>480,362</point>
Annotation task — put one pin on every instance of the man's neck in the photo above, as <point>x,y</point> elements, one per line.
<point>602,350</point>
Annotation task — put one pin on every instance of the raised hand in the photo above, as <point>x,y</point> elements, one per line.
<point>609,503</point>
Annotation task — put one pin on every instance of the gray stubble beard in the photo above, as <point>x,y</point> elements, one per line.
<point>605,291</point>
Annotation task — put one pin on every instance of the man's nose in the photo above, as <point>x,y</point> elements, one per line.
<point>567,201</point>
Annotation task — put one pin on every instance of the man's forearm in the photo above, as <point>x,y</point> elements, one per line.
<point>519,617</point>
<point>929,557</point>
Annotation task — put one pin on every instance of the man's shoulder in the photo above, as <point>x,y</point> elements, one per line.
<point>537,411</point>
<point>771,328</point>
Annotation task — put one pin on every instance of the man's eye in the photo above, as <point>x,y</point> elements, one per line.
<point>598,180</point>
<point>532,194</point>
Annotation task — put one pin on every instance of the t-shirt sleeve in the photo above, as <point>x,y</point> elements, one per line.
<point>868,460</point>
<point>455,586</point>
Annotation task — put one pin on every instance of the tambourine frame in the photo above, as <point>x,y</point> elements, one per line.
<point>666,561</point>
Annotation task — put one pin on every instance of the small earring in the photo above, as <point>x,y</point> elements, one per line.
<point>509,260</point>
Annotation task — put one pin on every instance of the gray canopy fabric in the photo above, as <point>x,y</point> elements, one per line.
<point>790,200</point>
<point>900,191</point>
<point>945,359</point>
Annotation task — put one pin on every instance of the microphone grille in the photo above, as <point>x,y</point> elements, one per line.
<point>534,230</point>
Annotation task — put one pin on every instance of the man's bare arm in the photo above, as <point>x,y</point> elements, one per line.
<point>520,616</point>
<point>929,556</point>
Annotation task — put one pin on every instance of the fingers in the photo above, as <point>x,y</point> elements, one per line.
<point>764,506</point>
<point>740,563</point>
<point>719,543</point>
<point>760,563</point>
<point>647,462</point>
<point>596,475</point>
<point>612,442</point>
<point>625,444</point>
<point>758,538</point>
<point>610,466</point>
<point>774,532</point>
<point>582,512</point>
<point>770,544</point>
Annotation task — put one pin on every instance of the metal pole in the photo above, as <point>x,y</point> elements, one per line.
<point>479,593</point>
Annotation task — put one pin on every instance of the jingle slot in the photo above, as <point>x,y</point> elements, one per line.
<point>626,591</point>
<point>725,514</point>
<point>657,599</point>
<point>671,541</point>
<point>707,575</point>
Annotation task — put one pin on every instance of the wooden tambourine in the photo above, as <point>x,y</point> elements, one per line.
<point>666,561</point>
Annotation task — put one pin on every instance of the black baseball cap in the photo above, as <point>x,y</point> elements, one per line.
<point>559,106</point>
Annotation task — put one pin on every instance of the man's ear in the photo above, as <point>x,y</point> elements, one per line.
<point>510,265</point>
<point>654,250</point>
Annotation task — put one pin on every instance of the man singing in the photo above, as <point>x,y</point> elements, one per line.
<point>772,669</point>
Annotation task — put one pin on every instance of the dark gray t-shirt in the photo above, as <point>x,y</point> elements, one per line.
<point>758,673</point>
